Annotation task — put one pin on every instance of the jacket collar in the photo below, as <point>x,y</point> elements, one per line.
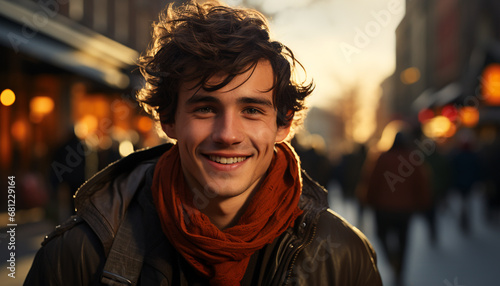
<point>103,200</point>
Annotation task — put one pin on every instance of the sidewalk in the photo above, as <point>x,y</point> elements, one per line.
<point>456,259</point>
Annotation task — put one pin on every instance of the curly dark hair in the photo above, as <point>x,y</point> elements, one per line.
<point>196,41</point>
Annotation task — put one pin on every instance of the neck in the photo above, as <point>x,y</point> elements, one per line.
<point>225,212</point>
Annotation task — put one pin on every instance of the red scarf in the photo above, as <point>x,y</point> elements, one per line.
<point>222,256</point>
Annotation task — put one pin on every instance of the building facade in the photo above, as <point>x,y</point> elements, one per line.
<point>68,74</point>
<point>442,49</point>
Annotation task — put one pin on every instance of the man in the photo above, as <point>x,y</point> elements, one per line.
<point>227,204</point>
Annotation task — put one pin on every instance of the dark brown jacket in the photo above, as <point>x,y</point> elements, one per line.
<point>116,239</point>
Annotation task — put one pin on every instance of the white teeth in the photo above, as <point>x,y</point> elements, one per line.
<point>227,160</point>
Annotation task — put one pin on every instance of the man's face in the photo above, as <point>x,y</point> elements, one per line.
<point>226,137</point>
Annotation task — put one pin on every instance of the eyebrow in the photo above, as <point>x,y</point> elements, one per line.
<point>200,98</point>
<point>258,101</point>
<point>197,98</point>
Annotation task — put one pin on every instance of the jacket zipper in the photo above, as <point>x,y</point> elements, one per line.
<point>302,246</point>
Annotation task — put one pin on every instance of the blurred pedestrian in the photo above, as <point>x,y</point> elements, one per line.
<point>349,174</point>
<point>313,159</point>
<point>67,174</point>
<point>466,168</point>
<point>350,169</point>
<point>490,160</point>
<point>440,173</point>
<point>396,188</point>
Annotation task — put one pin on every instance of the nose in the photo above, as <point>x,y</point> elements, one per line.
<point>228,129</point>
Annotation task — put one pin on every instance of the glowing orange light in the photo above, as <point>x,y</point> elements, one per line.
<point>469,116</point>
<point>491,84</point>
<point>425,115</point>
<point>41,105</point>
<point>144,124</point>
<point>438,127</point>
<point>7,97</point>
<point>86,126</point>
<point>410,75</point>
<point>451,131</point>
<point>19,130</point>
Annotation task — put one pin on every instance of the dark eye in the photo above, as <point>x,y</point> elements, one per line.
<point>252,110</point>
<point>205,109</point>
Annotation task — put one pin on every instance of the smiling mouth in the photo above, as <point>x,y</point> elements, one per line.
<point>226,160</point>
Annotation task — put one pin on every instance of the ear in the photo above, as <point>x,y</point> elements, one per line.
<point>169,129</point>
<point>283,132</point>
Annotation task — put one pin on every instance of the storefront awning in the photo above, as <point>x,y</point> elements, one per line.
<point>424,100</point>
<point>432,98</point>
<point>58,40</point>
<point>448,94</point>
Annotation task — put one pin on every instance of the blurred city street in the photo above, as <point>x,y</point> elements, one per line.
<point>405,118</point>
<point>455,260</point>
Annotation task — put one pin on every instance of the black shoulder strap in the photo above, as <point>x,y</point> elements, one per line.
<point>124,263</point>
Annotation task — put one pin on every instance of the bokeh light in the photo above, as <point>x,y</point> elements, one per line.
<point>86,126</point>
<point>144,124</point>
<point>39,107</point>
<point>126,147</point>
<point>439,127</point>
<point>425,115</point>
<point>410,75</point>
<point>450,112</point>
<point>19,130</point>
<point>7,97</point>
<point>469,116</point>
<point>491,84</point>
